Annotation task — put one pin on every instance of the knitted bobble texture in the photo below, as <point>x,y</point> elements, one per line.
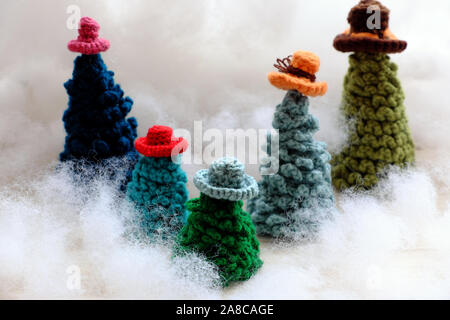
<point>95,121</point>
<point>224,233</point>
<point>379,131</point>
<point>294,202</point>
<point>158,189</point>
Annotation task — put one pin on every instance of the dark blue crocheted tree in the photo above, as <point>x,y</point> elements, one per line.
<point>293,202</point>
<point>158,190</point>
<point>95,121</point>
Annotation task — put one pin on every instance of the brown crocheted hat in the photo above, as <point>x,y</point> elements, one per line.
<point>360,38</point>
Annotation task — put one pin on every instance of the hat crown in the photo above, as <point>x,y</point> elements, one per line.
<point>227,173</point>
<point>359,15</point>
<point>88,29</point>
<point>159,135</point>
<point>306,61</point>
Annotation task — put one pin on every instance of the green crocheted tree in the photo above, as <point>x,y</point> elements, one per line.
<point>218,228</point>
<point>224,233</point>
<point>293,203</point>
<point>379,135</point>
<point>375,114</point>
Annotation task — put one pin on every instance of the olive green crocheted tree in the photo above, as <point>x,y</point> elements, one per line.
<point>224,233</point>
<point>375,115</point>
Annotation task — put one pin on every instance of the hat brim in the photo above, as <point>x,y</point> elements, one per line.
<point>175,147</point>
<point>89,48</point>
<point>248,191</point>
<point>347,43</point>
<point>286,81</point>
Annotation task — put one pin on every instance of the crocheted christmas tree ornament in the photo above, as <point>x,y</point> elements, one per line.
<point>375,117</point>
<point>294,201</point>
<point>218,227</point>
<point>95,121</point>
<point>158,188</point>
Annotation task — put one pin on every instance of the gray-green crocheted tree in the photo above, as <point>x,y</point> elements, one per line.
<point>294,202</point>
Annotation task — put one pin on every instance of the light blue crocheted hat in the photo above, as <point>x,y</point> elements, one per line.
<point>225,179</point>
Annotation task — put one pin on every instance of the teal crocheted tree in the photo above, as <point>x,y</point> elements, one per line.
<point>294,202</point>
<point>158,187</point>
<point>218,228</point>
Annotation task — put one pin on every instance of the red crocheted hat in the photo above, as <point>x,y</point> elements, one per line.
<point>88,41</point>
<point>160,143</point>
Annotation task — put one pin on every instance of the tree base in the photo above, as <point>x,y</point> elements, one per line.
<point>224,233</point>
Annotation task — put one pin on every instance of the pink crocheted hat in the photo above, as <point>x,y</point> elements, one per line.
<point>88,41</point>
<point>160,143</point>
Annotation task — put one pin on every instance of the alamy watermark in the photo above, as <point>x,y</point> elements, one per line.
<point>374,21</point>
<point>73,282</point>
<point>250,146</point>
<point>74,18</point>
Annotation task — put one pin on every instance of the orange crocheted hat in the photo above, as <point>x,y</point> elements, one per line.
<point>298,74</point>
<point>160,143</point>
